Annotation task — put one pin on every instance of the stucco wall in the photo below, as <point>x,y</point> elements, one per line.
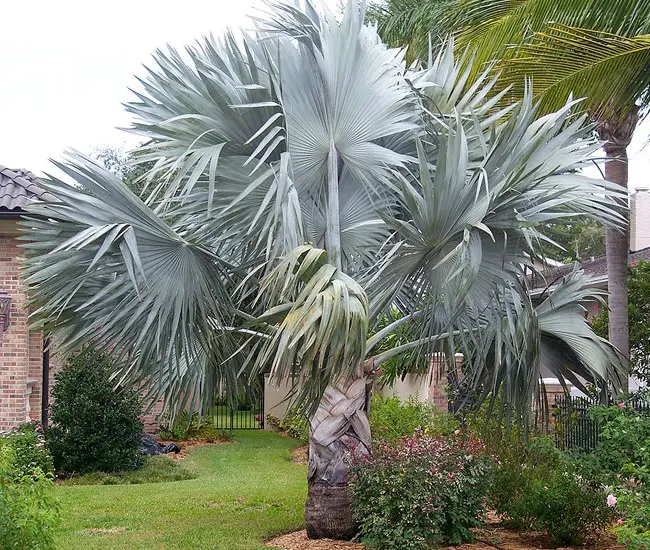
<point>275,398</point>
<point>640,219</point>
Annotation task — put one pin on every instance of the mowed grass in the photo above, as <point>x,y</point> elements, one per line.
<point>244,493</point>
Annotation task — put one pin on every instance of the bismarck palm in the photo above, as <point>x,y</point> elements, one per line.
<point>305,183</point>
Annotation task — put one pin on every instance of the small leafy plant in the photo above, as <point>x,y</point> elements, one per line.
<point>391,419</point>
<point>28,508</point>
<point>420,491</point>
<point>293,423</point>
<point>31,453</point>
<point>194,428</point>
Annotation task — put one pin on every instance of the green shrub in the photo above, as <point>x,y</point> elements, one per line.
<point>31,453</point>
<point>391,419</point>
<point>293,423</point>
<point>567,506</point>
<point>184,428</point>
<point>420,491</point>
<point>516,469</point>
<point>94,426</point>
<point>623,453</point>
<point>28,508</point>
<point>544,488</point>
<point>624,445</point>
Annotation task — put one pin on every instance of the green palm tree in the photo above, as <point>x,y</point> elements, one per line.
<point>305,183</point>
<point>593,49</point>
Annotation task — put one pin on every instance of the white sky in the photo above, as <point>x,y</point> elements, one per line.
<point>65,67</point>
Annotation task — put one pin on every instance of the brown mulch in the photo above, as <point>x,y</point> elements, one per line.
<point>300,455</point>
<point>298,541</point>
<point>493,537</point>
<point>187,445</point>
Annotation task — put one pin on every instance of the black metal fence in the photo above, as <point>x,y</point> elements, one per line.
<point>573,426</point>
<point>247,414</point>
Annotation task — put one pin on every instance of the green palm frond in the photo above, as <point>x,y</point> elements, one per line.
<point>413,23</point>
<point>574,47</point>
<point>611,71</point>
<point>494,27</point>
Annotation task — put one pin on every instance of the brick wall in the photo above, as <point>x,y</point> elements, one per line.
<point>14,351</point>
<point>151,418</point>
<point>439,382</point>
<point>21,352</point>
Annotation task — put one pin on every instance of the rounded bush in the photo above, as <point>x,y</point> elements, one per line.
<point>94,426</point>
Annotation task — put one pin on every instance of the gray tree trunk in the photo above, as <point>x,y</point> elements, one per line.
<point>339,429</point>
<point>617,134</point>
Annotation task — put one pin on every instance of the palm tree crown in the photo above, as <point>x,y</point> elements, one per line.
<point>305,181</point>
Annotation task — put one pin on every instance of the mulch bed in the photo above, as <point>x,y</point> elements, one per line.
<point>300,455</point>
<point>299,541</point>
<point>187,445</point>
<point>493,537</point>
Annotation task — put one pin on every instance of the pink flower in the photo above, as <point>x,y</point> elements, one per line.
<point>611,501</point>
<point>621,405</point>
<point>457,432</point>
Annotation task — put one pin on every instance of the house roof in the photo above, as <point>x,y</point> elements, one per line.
<point>597,267</point>
<point>19,187</point>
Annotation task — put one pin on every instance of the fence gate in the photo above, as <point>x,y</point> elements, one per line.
<point>247,413</point>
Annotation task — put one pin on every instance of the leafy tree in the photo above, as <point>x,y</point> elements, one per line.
<point>638,284</point>
<point>308,181</point>
<point>125,166</point>
<point>593,49</point>
<point>580,239</point>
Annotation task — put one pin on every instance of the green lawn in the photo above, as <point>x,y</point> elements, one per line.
<point>244,492</point>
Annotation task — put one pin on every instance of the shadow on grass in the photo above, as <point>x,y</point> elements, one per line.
<point>156,469</point>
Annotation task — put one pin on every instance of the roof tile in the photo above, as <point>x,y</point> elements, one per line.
<point>18,188</point>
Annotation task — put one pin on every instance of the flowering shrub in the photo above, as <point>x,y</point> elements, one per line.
<point>28,509</point>
<point>633,529</point>
<point>420,491</point>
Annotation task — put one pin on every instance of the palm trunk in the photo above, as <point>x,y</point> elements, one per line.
<point>617,133</point>
<point>617,247</point>
<point>339,429</point>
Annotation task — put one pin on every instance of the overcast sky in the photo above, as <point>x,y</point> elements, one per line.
<point>65,67</point>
